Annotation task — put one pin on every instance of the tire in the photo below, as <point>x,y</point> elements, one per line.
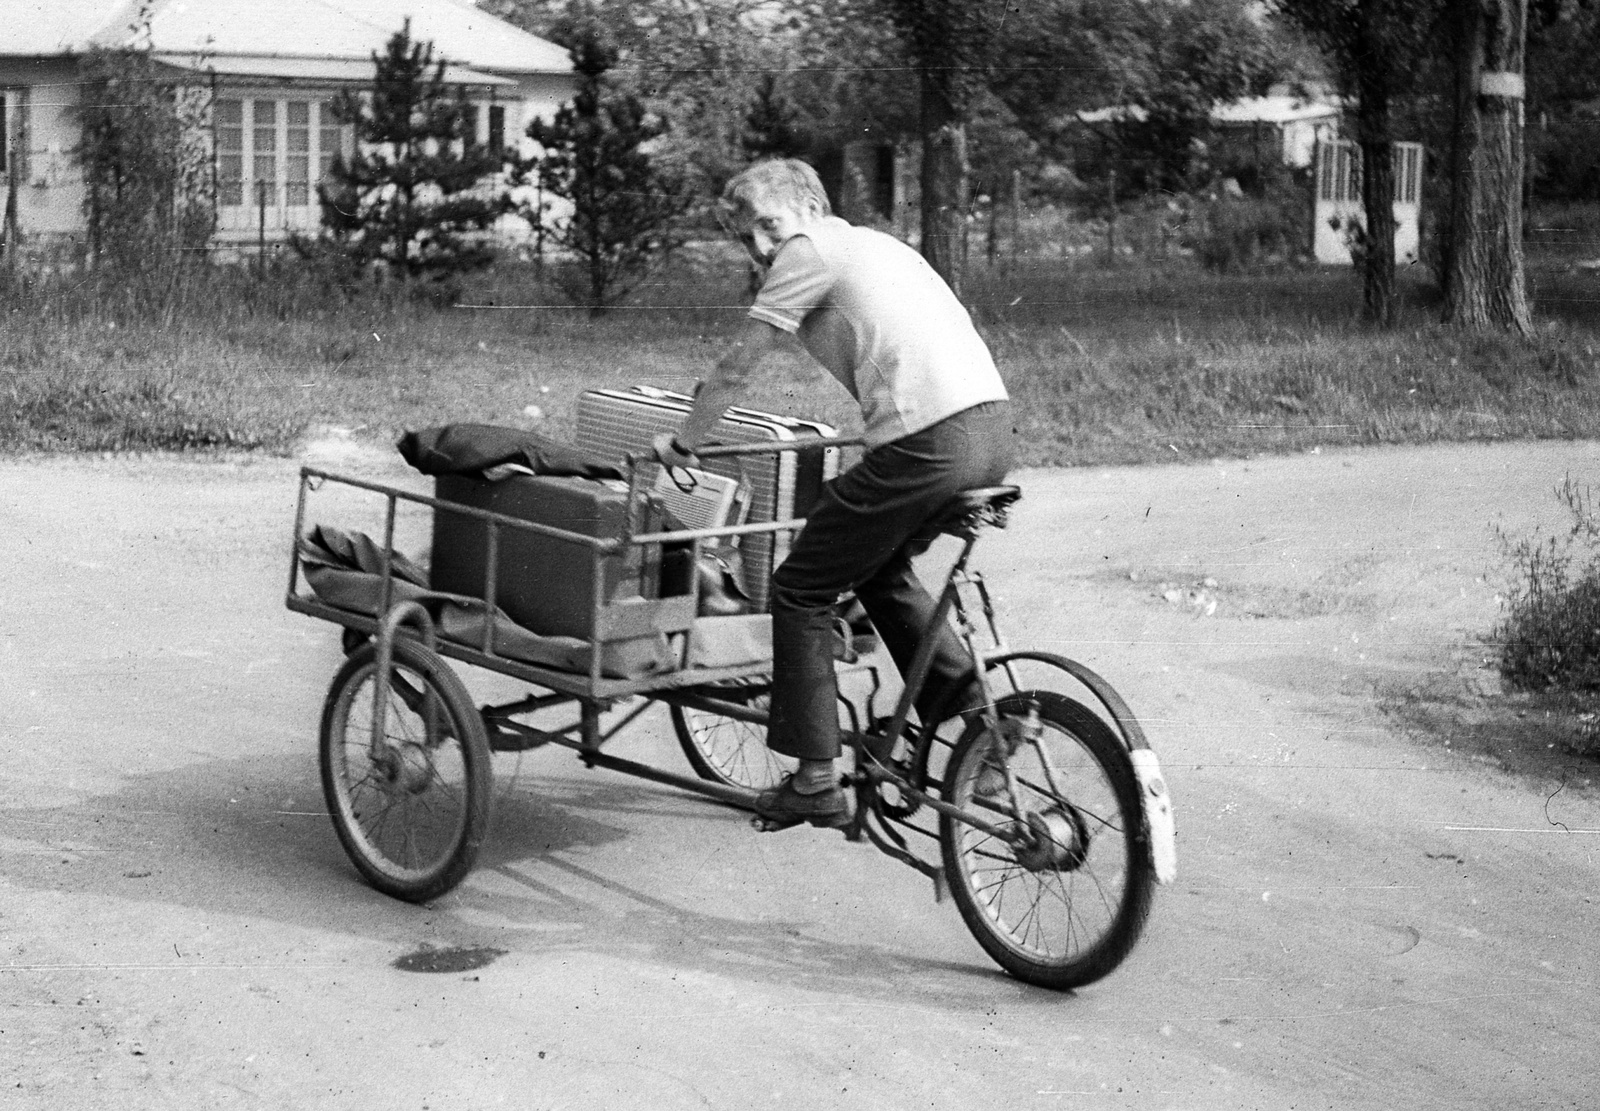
<point>1068,909</point>
<point>728,750</point>
<point>411,825</point>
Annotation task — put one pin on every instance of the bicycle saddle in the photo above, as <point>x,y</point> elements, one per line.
<point>972,510</point>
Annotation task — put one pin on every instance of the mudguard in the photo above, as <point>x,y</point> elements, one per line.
<point>1155,800</point>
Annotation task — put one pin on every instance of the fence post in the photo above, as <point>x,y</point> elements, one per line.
<point>261,227</point>
<point>990,247</point>
<point>12,223</point>
<point>1111,218</point>
<point>1016,214</point>
<point>538,232</point>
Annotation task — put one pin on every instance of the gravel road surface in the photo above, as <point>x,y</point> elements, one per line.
<point>1362,918</point>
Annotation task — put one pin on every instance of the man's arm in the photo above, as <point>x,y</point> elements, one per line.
<point>728,379</point>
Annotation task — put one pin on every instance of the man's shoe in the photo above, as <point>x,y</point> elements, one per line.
<point>966,704</point>
<point>782,806</point>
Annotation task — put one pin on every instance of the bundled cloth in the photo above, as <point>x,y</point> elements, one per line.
<point>345,570</point>
<point>475,448</point>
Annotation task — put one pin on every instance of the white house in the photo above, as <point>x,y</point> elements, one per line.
<point>265,72</point>
<point>1338,211</point>
<point>1304,134</point>
<point>1282,127</point>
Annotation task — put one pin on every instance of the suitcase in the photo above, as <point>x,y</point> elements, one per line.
<point>543,583</point>
<point>780,486</point>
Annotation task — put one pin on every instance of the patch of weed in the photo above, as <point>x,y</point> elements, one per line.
<point>1142,362</point>
<point>67,413</point>
<point>1550,637</point>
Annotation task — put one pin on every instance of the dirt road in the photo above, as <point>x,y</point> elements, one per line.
<point>1362,919</point>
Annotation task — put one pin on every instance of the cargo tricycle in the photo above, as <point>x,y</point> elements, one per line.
<point>1043,811</point>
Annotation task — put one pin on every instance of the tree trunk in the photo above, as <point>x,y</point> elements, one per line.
<point>1487,286</point>
<point>1377,193</point>
<point>944,180</point>
<point>1377,264</point>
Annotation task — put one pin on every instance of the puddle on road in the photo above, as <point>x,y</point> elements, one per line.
<point>429,959</point>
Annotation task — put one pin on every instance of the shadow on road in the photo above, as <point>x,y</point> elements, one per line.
<point>569,867</point>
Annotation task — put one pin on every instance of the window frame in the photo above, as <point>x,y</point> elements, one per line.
<point>281,153</point>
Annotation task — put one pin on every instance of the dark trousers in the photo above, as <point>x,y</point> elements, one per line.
<point>861,537</point>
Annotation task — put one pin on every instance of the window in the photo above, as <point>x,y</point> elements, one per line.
<point>330,141</point>
<point>13,135</point>
<point>1407,173</point>
<point>297,160</point>
<point>264,152</point>
<point>267,150</point>
<point>229,120</point>
<point>1340,176</point>
<point>497,127</point>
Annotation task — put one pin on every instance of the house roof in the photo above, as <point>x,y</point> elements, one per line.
<point>1252,109</point>
<point>325,29</point>
<point>316,70</point>
<point>1273,109</point>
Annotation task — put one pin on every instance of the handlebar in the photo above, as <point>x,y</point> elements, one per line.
<point>720,451</point>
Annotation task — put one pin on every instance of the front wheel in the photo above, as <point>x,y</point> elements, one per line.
<point>1058,889</point>
<point>412,807</point>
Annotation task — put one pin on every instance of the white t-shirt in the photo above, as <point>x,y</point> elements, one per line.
<point>873,312</point>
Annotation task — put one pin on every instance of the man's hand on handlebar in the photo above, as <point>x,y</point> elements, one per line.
<point>671,453</point>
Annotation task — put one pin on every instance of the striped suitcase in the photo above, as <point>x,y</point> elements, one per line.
<point>780,486</point>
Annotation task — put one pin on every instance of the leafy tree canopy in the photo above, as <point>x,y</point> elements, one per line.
<point>1171,61</point>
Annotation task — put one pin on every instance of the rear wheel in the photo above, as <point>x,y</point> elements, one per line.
<point>413,810</point>
<point>730,750</point>
<point>1058,890</point>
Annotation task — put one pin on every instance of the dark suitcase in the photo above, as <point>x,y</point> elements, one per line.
<point>780,486</point>
<point>544,583</point>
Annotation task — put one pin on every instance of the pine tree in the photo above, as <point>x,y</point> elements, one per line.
<point>621,206</point>
<point>413,196</point>
<point>772,126</point>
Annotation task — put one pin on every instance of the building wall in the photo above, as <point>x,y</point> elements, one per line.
<point>292,132</point>
<point>1292,143</point>
<point>41,139</point>
<point>271,143</point>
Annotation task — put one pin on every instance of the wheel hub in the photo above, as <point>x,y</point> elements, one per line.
<point>1052,840</point>
<point>406,768</point>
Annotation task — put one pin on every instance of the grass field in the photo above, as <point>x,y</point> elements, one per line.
<point>1129,363</point>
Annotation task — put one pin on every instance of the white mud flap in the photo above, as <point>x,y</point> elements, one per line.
<point>1160,825</point>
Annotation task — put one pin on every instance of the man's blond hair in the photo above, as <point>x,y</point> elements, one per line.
<point>783,180</point>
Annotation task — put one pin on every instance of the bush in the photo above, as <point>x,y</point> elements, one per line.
<point>1240,231</point>
<point>147,194</point>
<point>1565,159</point>
<point>1550,638</point>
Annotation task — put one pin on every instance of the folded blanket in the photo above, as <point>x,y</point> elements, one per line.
<point>474,448</point>
<point>345,570</point>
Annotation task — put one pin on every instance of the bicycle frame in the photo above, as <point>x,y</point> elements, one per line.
<point>595,694</point>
